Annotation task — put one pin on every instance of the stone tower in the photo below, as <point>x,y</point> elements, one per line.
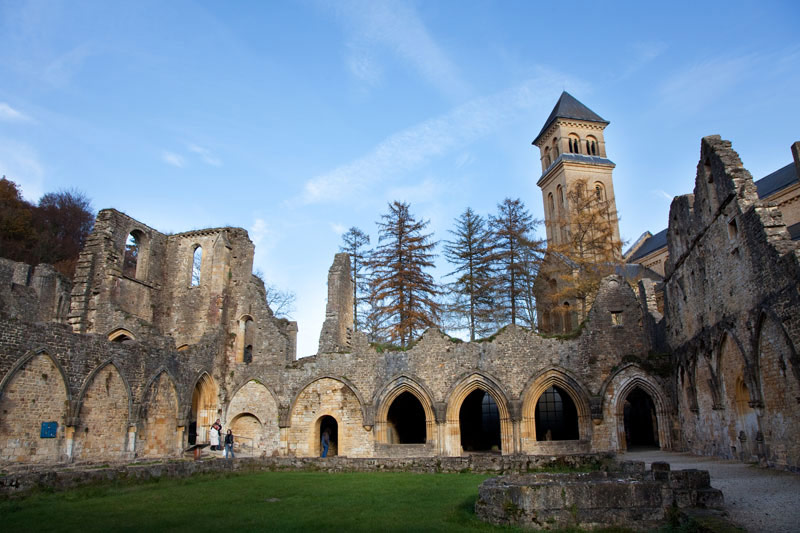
<point>572,149</point>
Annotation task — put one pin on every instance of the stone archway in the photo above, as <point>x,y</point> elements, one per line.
<point>462,394</point>
<point>479,423</point>
<point>102,431</point>
<point>34,394</point>
<point>404,414</point>
<point>639,420</point>
<point>204,409</point>
<point>555,401</point>
<point>330,425</point>
<point>621,385</point>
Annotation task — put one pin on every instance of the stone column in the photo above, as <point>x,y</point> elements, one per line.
<point>132,439</point>
<point>69,434</point>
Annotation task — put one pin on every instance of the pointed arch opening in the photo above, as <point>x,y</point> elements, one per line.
<point>479,421</point>
<point>479,418</point>
<point>204,409</point>
<point>134,257</point>
<point>556,416</point>
<point>197,263</point>
<point>639,420</point>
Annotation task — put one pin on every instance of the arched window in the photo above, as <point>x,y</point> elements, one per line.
<point>556,416</point>
<point>247,331</point>
<point>134,255</point>
<point>555,148</point>
<point>131,258</point>
<point>551,205</point>
<point>197,262</point>
<point>591,145</point>
<point>599,191</point>
<point>561,205</point>
<point>574,144</point>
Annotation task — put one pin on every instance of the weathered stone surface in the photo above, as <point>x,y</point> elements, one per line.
<point>639,500</point>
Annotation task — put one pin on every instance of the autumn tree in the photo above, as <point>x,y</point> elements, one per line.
<point>403,294</point>
<point>589,249</point>
<point>471,293</point>
<point>515,251</point>
<point>354,242</point>
<point>54,231</point>
<point>17,235</point>
<point>64,220</point>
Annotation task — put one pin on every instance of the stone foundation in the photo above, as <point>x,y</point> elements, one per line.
<point>630,497</point>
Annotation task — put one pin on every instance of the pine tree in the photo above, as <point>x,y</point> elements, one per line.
<point>403,295</point>
<point>590,250</point>
<point>472,302</point>
<point>515,253</point>
<point>354,242</point>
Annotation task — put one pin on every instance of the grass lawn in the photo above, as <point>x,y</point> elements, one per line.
<point>278,501</point>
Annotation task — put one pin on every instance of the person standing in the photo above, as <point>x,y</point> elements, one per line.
<point>229,445</point>
<point>213,437</point>
<point>326,441</point>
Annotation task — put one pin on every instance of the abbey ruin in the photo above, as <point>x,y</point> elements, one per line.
<point>159,335</point>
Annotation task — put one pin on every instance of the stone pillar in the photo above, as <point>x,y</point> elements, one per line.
<point>132,439</point>
<point>292,329</point>
<point>180,434</point>
<point>338,325</point>
<point>69,434</point>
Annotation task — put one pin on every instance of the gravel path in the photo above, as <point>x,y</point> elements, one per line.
<point>758,499</point>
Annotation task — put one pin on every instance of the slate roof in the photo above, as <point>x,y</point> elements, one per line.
<point>568,107</point>
<point>653,243</point>
<point>794,231</point>
<point>780,179</point>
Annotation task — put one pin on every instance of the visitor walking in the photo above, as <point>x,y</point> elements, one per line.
<point>229,445</point>
<point>326,441</point>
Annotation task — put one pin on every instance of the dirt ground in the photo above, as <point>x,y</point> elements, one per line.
<point>758,499</point>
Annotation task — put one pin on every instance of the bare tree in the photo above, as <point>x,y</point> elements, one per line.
<point>403,295</point>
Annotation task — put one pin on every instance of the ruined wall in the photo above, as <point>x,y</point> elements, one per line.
<point>33,294</point>
<point>731,311</point>
<point>338,325</point>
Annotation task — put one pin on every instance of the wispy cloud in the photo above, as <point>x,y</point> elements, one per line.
<point>398,27</point>
<point>699,83</point>
<point>60,71</point>
<point>20,163</point>
<point>205,154</point>
<point>642,53</point>
<point>171,158</point>
<point>9,114</point>
<point>338,229</point>
<point>662,194</point>
<point>413,147</point>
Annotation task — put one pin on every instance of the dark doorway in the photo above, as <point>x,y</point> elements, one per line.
<point>641,426</point>
<point>479,421</point>
<point>329,423</point>
<point>406,419</point>
<point>556,416</point>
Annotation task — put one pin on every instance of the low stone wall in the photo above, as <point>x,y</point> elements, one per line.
<point>22,480</point>
<point>630,497</point>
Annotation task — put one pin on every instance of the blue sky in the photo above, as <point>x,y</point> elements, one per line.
<point>297,120</point>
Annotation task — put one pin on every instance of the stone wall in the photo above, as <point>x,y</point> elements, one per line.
<point>731,312</point>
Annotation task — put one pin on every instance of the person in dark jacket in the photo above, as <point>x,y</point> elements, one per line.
<point>229,445</point>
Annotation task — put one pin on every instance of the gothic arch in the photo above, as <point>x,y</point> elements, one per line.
<point>458,393</point>
<point>242,382</point>
<point>624,381</point>
<point>334,397</point>
<point>538,384</point>
<point>90,378</point>
<point>384,398</point>
<point>103,414</point>
<point>366,420</point>
<point>158,422</point>
<point>27,357</point>
<point>120,334</point>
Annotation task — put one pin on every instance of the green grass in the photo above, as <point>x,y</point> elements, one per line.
<point>277,501</point>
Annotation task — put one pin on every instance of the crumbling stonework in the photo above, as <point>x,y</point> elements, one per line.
<point>630,497</point>
<point>338,325</point>
<point>732,316</point>
<point>162,342</point>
